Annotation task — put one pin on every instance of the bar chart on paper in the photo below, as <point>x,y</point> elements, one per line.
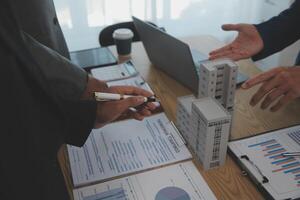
<point>113,194</point>
<point>266,151</point>
<point>176,182</point>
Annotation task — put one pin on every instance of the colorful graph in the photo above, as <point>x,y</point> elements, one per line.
<point>273,150</point>
<point>295,135</point>
<point>172,193</point>
<point>114,194</point>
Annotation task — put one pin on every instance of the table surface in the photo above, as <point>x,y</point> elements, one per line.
<point>227,181</point>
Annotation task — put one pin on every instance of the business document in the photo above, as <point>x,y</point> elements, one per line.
<point>136,81</point>
<point>265,151</point>
<point>125,147</point>
<point>177,182</point>
<point>115,72</point>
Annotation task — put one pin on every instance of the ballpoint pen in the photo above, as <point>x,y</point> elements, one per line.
<point>100,96</point>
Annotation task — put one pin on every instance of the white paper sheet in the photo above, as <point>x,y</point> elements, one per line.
<point>265,151</point>
<point>127,146</point>
<point>177,182</point>
<point>136,81</point>
<point>115,72</point>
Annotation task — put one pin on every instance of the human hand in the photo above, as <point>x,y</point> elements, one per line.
<point>93,85</point>
<point>281,84</point>
<point>246,44</point>
<point>112,110</point>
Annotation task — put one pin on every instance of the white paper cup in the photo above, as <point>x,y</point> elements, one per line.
<point>123,38</point>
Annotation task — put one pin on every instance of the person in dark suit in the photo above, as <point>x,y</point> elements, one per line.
<point>261,40</point>
<point>36,119</point>
<point>39,21</point>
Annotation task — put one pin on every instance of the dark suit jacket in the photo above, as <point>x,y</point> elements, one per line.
<point>38,19</point>
<point>34,120</point>
<point>280,31</point>
<point>45,40</point>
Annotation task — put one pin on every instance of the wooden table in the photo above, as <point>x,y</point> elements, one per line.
<point>226,182</point>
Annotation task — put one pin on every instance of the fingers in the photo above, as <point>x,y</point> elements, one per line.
<point>283,101</point>
<point>277,84</point>
<point>144,112</point>
<point>92,86</point>
<point>231,27</point>
<point>222,49</point>
<point>227,27</point>
<point>138,115</point>
<point>219,53</point>
<point>150,106</point>
<point>274,95</point>
<point>265,89</point>
<point>230,50</point>
<point>233,54</point>
<point>135,115</point>
<point>140,110</point>
<point>125,104</point>
<point>133,107</point>
<point>261,78</point>
<point>130,90</point>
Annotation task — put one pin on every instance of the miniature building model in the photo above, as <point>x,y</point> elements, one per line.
<point>205,122</point>
<point>183,118</point>
<point>210,127</point>
<point>217,79</point>
<point>205,125</point>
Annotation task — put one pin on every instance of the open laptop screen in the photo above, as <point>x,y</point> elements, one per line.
<point>168,54</point>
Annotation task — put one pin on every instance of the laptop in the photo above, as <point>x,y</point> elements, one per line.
<point>172,55</point>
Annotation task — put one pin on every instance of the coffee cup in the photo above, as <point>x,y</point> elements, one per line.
<point>123,38</point>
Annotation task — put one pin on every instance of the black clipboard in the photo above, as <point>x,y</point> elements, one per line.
<point>247,172</point>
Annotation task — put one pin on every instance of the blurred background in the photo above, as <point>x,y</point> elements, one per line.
<point>82,20</point>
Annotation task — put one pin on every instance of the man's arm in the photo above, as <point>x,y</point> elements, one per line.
<point>81,117</point>
<point>280,31</point>
<point>67,80</point>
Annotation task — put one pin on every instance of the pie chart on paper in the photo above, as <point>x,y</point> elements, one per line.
<point>172,193</point>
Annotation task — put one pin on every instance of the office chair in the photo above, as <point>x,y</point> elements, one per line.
<point>105,36</point>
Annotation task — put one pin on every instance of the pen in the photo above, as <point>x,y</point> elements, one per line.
<point>291,154</point>
<point>100,96</point>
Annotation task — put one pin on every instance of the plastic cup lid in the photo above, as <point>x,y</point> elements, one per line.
<point>123,34</point>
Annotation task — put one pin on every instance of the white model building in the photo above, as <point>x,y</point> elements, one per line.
<point>205,121</point>
<point>210,123</point>
<point>183,118</point>
<point>205,125</point>
<point>217,79</point>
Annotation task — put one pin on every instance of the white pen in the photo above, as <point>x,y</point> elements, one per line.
<point>291,154</point>
<point>100,96</point>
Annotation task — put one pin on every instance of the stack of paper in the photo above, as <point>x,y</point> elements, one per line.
<point>177,182</point>
<point>125,149</point>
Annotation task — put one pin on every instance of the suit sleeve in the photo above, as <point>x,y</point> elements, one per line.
<point>81,119</point>
<point>67,80</point>
<point>280,31</point>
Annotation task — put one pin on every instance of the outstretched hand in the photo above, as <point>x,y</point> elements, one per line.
<point>279,87</point>
<point>246,44</point>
